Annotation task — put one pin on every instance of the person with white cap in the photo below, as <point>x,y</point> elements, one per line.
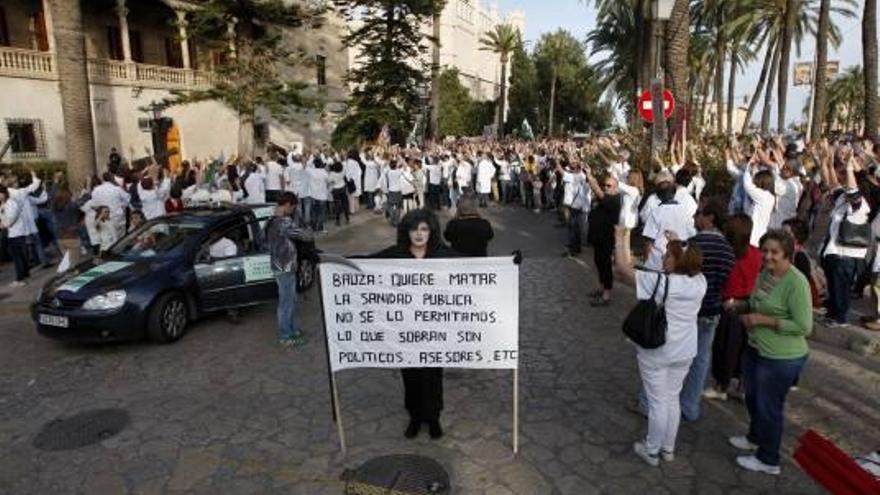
<point>668,216</point>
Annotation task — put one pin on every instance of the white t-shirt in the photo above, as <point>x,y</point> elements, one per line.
<point>629,212</point>
<point>681,196</point>
<point>682,308</point>
<point>391,180</point>
<point>297,178</point>
<point>463,174</point>
<point>318,180</point>
<point>503,169</point>
<point>371,175</point>
<point>353,172</point>
<point>255,185</point>
<point>788,194</point>
<point>485,172</point>
<point>274,176</point>
<point>223,248</point>
<point>666,217</point>
<point>761,208</point>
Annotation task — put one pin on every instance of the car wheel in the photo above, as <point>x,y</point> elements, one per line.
<point>305,276</point>
<point>168,318</point>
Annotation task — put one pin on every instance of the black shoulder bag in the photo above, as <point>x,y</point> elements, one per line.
<point>854,235</point>
<point>646,323</point>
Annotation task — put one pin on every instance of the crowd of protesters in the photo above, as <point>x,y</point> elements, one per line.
<point>742,240</point>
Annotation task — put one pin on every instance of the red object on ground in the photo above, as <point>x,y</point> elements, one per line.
<point>832,468</point>
<point>646,106</point>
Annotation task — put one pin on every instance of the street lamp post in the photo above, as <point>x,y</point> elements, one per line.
<point>662,12</point>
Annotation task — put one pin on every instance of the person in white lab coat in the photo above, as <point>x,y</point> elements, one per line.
<point>353,173</point>
<point>485,173</point>
<point>114,197</point>
<point>255,186</point>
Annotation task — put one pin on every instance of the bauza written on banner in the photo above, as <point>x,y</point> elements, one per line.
<point>443,313</point>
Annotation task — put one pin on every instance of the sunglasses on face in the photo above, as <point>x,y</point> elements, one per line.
<point>608,186</point>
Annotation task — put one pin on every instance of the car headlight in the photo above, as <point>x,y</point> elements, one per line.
<point>110,300</point>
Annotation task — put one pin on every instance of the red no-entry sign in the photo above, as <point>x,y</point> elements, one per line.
<point>646,105</point>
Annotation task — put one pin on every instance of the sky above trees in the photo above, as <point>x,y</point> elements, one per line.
<point>579,17</point>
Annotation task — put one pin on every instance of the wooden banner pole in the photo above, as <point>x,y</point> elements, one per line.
<point>339,428</point>
<point>515,411</point>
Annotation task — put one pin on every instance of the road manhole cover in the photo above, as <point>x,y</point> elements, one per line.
<point>81,429</point>
<point>397,475</point>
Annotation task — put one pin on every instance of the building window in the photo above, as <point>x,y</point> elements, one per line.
<point>25,138</point>
<point>4,29</point>
<point>321,66</point>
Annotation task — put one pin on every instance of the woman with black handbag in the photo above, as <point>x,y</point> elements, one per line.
<point>848,239</point>
<point>666,340</point>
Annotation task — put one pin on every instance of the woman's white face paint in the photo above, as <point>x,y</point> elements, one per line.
<point>418,237</point>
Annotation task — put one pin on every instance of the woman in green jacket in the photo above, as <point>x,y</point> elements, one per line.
<point>778,317</point>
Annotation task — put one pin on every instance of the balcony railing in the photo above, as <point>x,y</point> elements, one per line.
<point>26,63</point>
<point>152,76</point>
<point>31,64</point>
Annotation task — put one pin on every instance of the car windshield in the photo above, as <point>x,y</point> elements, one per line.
<point>157,238</point>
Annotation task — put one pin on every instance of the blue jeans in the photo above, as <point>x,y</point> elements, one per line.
<point>286,305</point>
<point>840,272</point>
<point>691,393</point>
<point>766,382</point>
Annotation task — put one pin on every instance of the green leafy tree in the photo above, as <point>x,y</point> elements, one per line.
<point>502,40</point>
<point>560,54</point>
<point>524,95</point>
<point>388,79</point>
<point>251,78</point>
<point>459,114</point>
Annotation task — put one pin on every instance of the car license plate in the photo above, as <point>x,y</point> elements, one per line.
<point>54,321</point>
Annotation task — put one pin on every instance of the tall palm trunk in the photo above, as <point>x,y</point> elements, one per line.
<point>552,102</point>
<point>502,103</point>
<point>435,76</point>
<point>76,106</point>
<point>791,12</point>
<point>820,92</point>
<point>869,51</point>
<point>768,94</point>
<point>720,43</point>
<point>677,70</point>
<point>762,80</point>
<point>731,90</point>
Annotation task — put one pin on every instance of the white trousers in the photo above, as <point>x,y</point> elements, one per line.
<point>663,386</point>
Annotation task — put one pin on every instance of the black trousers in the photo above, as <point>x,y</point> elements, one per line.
<point>602,252</point>
<point>434,191</point>
<point>727,350</point>
<point>340,204</point>
<point>423,393</point>
<point>18,251</point>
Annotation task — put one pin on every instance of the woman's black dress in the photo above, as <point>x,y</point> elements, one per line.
<point>422,387</point>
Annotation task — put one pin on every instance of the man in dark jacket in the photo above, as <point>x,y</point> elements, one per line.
<point>282,232</point>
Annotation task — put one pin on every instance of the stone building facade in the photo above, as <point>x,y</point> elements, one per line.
<point>137,52</point>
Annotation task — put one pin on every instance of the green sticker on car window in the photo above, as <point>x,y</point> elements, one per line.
<point>82,279</point>
<point>257,268</point>
<point>263,214</point>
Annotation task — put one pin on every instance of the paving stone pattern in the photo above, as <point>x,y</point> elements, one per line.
<point>227,411</point>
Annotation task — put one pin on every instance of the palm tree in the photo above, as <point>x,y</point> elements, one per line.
<point>617,36</point>
<point>677,48</point>
<point>869,53</point>
<point>503,40</point>
<point>788,33</point>
<point>846,97</point>
<point>819,79</point>
<point>437,10</point>
<point>76,108</point>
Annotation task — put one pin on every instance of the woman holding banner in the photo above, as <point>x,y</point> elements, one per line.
<point>419,237</point>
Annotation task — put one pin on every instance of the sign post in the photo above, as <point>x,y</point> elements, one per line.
<point>428,313</point>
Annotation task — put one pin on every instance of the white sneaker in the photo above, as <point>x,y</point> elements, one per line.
<point>742,443</point>
<point>752,463</point>
<point>714,394</point>
<point>667,455</point>
<point>18,283</point>
<point>642,451</point>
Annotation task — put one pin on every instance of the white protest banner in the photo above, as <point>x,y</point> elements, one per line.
<point>444,313</point>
